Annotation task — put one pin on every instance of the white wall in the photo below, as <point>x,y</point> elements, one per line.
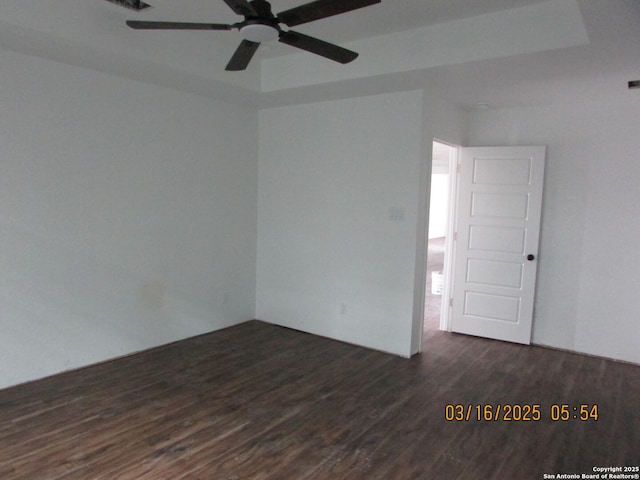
<point>329,173</point>
<point>589,271</point>
<point>127,216</point>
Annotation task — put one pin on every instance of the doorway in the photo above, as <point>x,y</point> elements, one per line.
<point>440,232</point>
<point>492,199</point>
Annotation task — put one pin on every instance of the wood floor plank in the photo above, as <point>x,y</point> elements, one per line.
<point>257,401</point>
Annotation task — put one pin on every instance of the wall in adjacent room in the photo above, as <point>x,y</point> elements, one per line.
<point>588,271</point>
<point>127,212</point>
<point>439,205</point>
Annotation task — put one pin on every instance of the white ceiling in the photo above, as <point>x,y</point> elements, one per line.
<point>85,19</point>
<point>92,33</point>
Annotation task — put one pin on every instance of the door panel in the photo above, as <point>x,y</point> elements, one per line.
<point>496,239</point>
<point>494,273</point>
<point>499,206</point>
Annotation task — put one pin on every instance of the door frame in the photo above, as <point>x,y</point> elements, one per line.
<point>449,249</point>
<point>450,242</point>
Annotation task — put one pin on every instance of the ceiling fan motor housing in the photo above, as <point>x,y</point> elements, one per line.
<point>259,31</point>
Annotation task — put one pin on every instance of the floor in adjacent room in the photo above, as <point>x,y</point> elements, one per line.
<point>433,301</point>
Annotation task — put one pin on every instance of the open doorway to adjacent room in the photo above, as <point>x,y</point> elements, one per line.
<point>440,246</point>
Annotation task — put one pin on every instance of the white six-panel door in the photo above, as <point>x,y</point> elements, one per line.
<point>496,252</point>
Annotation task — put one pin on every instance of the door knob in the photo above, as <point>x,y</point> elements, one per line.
<point>531,257</point>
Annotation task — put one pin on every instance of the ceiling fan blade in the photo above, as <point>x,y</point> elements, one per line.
<point>321,9</point>
<point>243,55</point>
<point>241,7</point>
<point>319,47</point>
<point>143,25</point>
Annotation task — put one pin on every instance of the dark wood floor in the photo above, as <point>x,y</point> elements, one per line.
<point>262,402</point>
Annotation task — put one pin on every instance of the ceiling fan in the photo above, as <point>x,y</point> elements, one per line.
<point>261,25</point>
